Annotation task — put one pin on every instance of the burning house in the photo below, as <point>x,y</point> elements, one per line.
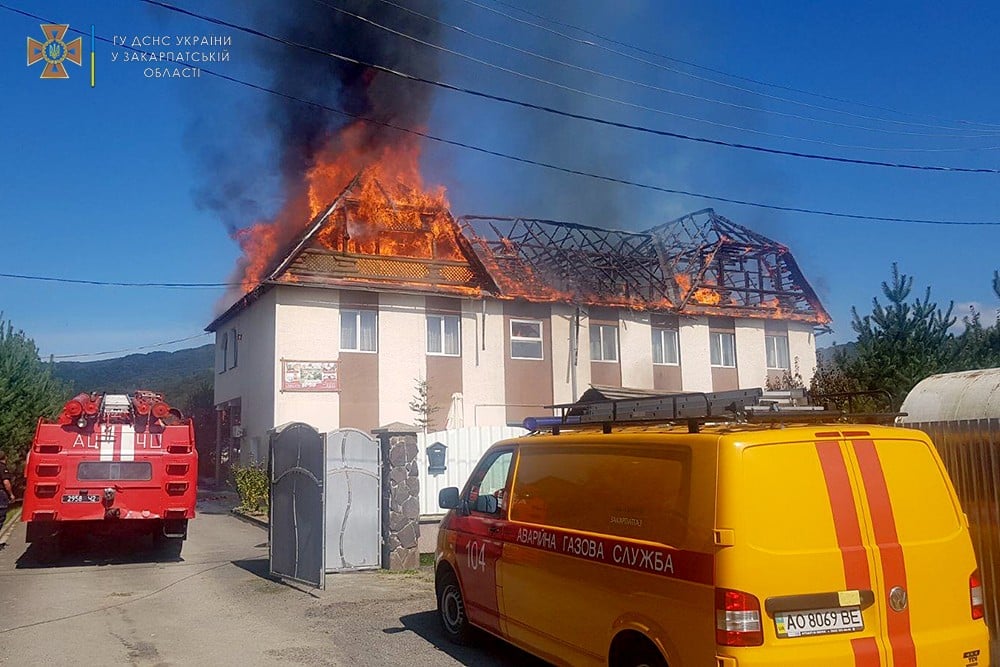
<point>497,318</point>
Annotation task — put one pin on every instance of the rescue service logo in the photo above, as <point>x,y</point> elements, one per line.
<point>55,51</point>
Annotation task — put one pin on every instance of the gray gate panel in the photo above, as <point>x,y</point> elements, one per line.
<point>296,464</point>
<point>353,506</point>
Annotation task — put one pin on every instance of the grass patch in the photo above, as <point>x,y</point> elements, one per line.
<point>426,560</point>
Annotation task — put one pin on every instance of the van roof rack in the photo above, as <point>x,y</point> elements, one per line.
<point>752,406</point>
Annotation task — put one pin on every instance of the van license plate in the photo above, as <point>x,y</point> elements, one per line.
<point>818,621</point>
<point>81,498</point>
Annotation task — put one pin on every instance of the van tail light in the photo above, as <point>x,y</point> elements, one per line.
<point>737,619</point>
<point>976,595</point>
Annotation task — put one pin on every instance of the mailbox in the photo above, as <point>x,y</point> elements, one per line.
<point>436,457</point>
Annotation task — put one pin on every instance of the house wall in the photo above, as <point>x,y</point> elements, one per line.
<point>251,383</point>
<point>751,362</point>
<point>402,350</point>
<point>802,347</point>
<point>635,336</point>
<point>565,390</point>
<point>528,381</point>
<point>483,371</point>
<point>696,370</point>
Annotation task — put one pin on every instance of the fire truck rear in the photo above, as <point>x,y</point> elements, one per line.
<point>112,464</point>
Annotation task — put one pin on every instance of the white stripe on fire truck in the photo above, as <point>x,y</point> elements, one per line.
<point>107,438</point>
<point>128,442</point>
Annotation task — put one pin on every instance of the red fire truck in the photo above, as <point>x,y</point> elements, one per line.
<point>112,464</point>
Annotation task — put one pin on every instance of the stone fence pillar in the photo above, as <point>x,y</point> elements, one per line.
<point>400,496</point>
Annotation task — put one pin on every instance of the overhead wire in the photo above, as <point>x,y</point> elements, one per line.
<point>661,89</point>
<point>132,349</point>
<point>568,114</point>
<point>642,107</point>
<point>547,165</point>
<point>108,283</point>
<point>971,124</point>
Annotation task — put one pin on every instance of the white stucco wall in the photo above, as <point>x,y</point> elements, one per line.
<point>562,328</point>
<point>252,380</point>
<point>483,392</point>
<point>802,346</point>
<point>751,359</point>
<point>696,370</point>
<point>307,329</point>
<point>636,344</point>
<point>402,351</point>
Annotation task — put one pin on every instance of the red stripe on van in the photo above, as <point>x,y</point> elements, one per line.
<point>891,552</point>
<point>845,515</point>
<point>866,652</point>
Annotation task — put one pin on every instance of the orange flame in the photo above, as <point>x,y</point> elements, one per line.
<point>388,213</point>
<point>707,296</point>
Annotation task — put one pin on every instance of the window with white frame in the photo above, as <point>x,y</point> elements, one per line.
<point>603,342</point>
<point>444,335</point>
<point>723,349</point>
<point>776,348</point>
<point>526,339</point>
<point>665,350</point>
<point>235,348</point>
<point>223,351</point>
<point>358,331</point>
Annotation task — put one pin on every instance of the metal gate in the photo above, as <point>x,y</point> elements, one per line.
<point>353,506</point>
<point>296,463</point>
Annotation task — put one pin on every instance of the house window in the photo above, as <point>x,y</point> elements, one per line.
<point>526,339</point>
<point>777,352</point>
<point>443,335</point>
<point>223,352</point>
<point>603,342</point>
<point>665,347</point>
<point>235,347</point>
<point>723,349</point>
<point>358,332</point>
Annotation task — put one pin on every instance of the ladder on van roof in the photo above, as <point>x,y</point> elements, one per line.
<point>698,408</point>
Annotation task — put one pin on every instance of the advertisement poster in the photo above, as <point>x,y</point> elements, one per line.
<point>309,375</point>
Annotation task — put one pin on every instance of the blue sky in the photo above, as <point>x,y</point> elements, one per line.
<point>100,183</point>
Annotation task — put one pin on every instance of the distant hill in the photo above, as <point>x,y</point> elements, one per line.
<point>826,354</point>
<point>178,375</point>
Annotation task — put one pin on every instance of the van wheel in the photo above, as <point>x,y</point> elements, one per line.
<point>636,651</point>
<point>451,609</point>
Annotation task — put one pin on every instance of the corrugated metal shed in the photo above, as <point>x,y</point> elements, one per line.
<point>952,396</point>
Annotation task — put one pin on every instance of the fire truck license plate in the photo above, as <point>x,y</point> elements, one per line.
<point>81,498</point>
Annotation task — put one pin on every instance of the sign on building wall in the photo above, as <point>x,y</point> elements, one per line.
<point>309,375</point>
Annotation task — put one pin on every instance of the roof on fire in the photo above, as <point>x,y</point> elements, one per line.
<point>699,264</point>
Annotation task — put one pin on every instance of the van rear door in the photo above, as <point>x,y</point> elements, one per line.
<point>801,547</point>
<point>924,552</point>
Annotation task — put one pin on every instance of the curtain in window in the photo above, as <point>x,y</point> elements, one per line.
<point>452,337</point>
<point>368,331</point>
<point>349,330</point>
<point>434,334</point>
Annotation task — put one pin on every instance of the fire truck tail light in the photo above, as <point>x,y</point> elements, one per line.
<point>47,470</point>
<point>177,469</point>
<point>43,515</point>
<point>737,619</point>
<point>175,513</point>
<point>976,595</point>
<point>48,448</point>
<point>46,490</point>
<point>176,488</point>
<point>178,449</point>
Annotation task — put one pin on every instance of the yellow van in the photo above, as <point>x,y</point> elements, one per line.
<point>714,545</point>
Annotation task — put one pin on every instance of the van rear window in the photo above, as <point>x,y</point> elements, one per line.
<point>622,491</point>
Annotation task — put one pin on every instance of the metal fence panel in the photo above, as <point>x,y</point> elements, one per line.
<point>296,463</point>
<point>465,447</point>
<point>353,505</point>
<point>970,449</point>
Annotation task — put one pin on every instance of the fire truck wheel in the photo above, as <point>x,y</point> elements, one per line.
<point>168,547</point>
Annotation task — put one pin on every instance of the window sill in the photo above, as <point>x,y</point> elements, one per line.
<point>360,351</point>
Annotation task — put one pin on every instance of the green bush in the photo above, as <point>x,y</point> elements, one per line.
<point>252,485</point>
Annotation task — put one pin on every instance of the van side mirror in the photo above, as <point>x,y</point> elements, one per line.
<point>488,504</point>
<point>448,498</point>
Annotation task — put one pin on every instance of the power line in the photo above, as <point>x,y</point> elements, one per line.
<point>972,124</point>
<point>131,349</point>
<point>641,107</point>
<point>109,283</point>
<point>648,86</point>
<point>575,116</point>
<point>547,165</point>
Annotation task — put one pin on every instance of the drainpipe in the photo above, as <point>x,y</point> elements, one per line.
<point>574,348</point>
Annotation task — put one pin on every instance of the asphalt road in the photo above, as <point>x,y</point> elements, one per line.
<point>125,604</point>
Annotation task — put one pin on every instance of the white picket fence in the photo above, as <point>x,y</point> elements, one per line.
<point>465,447</point>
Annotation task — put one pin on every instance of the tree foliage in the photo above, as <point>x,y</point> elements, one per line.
<point>905,341</point>
<point>421,407</point>
<point>27,391</point>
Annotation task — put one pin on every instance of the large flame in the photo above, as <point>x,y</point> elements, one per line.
<point>389,212</point>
